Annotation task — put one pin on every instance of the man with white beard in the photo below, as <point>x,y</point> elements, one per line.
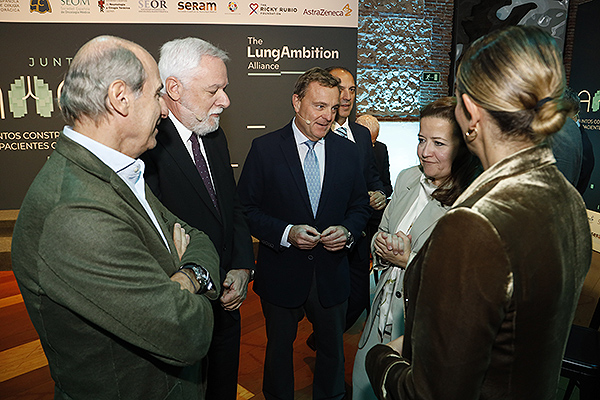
<point>190,172</point>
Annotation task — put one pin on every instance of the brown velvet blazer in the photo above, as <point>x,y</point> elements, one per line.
<point>492,294</point>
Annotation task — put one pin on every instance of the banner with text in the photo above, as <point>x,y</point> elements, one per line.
<point>341,13</point>
<point>265,63</point>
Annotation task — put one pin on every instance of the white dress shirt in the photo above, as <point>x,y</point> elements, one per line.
<point>302,151</point>
<point>185,134</point>
<point>348,130</point>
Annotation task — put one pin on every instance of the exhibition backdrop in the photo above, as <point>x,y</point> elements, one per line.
<point>269,44</point>
<point>585,80</point>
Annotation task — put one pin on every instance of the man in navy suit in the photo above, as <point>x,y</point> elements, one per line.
<point>359,257</point>
<point>306,201</point>
<point>382,161</point>
<point>189,170</point>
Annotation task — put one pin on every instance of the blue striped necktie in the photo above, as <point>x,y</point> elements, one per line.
<point>342,132</point>
<point>312,176</point>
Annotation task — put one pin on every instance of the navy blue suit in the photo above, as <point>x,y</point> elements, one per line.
<point>359,256</point>
<point>273,191</point>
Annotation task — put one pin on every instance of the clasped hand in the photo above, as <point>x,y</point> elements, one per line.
<point>394,248</point>
<point>306,237</point>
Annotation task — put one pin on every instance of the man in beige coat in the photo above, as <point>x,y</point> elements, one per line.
<point>115,285</point>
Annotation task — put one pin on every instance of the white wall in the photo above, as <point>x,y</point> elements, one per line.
<point>401,141</point>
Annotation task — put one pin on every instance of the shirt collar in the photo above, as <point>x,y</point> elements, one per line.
<point>427,185</point>
<point>183,132</point>
<point>300,137</point>
<point>114,159</point>
<point>346,125</point>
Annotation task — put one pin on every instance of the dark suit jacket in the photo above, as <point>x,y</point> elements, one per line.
<point>362,138</point>
<point>273,190</point>
<point>587,163</point>
<point>382,160</point>
<point>174,179</point>
<point>94,274</point>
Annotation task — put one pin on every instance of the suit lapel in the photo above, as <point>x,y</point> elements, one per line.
<point>93,165</point>
<point>429,216</point>
<point>173,145</point>
<point>332,164</point>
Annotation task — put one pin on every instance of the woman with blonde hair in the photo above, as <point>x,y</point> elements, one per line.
<point>491,296</point>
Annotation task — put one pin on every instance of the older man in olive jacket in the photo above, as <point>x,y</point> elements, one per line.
<point>115,285</point>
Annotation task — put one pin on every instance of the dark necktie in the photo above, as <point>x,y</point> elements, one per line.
<point>203,169</point>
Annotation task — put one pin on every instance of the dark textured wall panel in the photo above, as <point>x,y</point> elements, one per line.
<point>394,40</point>
<point>397,7</point>
<point>388,91</point>
<point>397,42</point>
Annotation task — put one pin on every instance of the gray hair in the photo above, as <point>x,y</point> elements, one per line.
<point>85,88</point>
<point>179,57</point>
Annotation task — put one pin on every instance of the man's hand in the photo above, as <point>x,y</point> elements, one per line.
<point>394,248</point>
<point>377,200</point>
<point>186,280</point>
<point>304,237</point>
<point>235,289</point>
<point>181,239</point>
<point>334,238</point>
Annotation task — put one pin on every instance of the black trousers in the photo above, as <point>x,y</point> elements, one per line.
<point>359,281</point>
<point>282,327</point>
<point>223,355</point>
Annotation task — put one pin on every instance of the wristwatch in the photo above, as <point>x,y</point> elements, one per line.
<point>202,276</point>
<point>349,240</point>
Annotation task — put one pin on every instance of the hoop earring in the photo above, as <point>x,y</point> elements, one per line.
<point>471,133</point>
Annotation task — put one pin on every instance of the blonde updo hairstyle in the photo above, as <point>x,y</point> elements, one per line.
<point>517,75</point>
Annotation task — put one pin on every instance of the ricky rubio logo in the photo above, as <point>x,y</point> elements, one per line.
<point>40,6</point>
<point>266,9</point>
<point>253,8</point>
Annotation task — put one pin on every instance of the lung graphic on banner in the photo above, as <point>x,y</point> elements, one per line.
<point>269,43</point>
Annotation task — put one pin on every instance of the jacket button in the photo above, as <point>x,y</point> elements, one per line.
<point>398,294</point>
<point>310,257</point>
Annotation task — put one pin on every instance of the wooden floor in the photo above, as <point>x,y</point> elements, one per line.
<point>24,373</point>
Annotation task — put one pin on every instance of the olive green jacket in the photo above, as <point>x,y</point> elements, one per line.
<point>94,274</point>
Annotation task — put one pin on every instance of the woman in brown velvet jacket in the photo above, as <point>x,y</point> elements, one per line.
<point>491,296</point>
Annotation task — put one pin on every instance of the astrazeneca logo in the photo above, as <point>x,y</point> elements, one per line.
<point>197,6</point>
<point>346,11</point>
<point>40,6</point>
<point>232,6</point>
